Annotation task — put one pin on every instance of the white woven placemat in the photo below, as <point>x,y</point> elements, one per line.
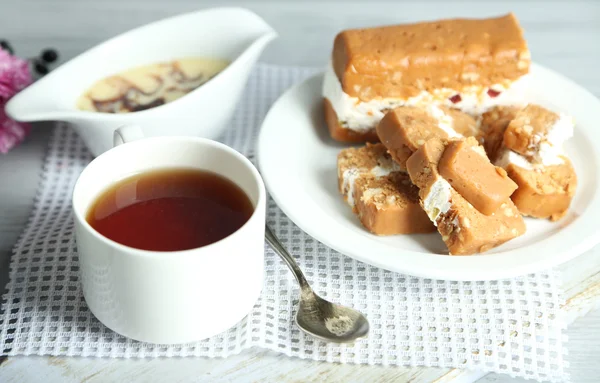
<point>509,326</point>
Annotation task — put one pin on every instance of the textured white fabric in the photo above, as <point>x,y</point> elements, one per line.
<point>510,326</point>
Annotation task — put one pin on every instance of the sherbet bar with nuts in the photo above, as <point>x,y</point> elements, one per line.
<point>404,129</point>
<point>532,154</point>
<point>539,134</point>
<point>467,168</point>
<point>464,229</point>
<point>469,64</point>
<point>382,196</point>
<point>493,125</point>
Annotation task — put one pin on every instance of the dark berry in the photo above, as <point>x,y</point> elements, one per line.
<point>456,98</point>
<point>493,93</point>
<point>40,68</point>
<point>6,46</point>
<point>49,55</point>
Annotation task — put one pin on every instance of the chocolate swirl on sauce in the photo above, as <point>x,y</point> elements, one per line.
<point>168,82</point>
<point>135,99</point>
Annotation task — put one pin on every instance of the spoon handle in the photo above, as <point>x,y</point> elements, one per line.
<point>278,248</point>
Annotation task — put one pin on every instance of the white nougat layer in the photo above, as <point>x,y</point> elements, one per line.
<point>349,177</point>
<point>551,150</point>
<point>438,200</point>
<point>362,116</point>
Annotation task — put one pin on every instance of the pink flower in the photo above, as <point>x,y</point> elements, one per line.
<point>11,132</point>
<point>14,76</point>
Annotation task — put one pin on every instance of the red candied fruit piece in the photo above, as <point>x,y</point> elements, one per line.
<point>456,98</point>
<point>493,93</point>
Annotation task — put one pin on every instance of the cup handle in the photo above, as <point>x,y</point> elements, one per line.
<point>126,134</point>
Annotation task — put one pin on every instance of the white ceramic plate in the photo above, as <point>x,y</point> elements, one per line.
<point>297,159</point>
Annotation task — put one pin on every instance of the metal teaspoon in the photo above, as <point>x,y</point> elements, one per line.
<point>316,316</point>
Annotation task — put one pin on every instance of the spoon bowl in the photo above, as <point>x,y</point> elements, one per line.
<point>329,321</point>
<point>316,316</point>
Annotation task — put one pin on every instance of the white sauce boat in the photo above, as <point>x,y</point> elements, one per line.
<point>234,34</point>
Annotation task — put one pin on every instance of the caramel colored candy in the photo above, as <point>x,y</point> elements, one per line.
<point>464,229</point>
<point>403,130</point>
<point>493,125</point>
<point>544,192</point>
<point>422,166</point>
<point>462,123</point>
<point>468,170</point>
<point>384,199</point>
<point>389,205</point>
<point>401,61</point>
<point>528,129</point>
<point>533,157</point>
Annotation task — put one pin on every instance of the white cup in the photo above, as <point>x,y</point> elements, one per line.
<point>176,296</point>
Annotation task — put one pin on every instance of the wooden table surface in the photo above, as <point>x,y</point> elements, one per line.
<point>563,35</point>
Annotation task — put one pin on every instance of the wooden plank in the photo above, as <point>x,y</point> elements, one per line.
<point>251,366</point>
